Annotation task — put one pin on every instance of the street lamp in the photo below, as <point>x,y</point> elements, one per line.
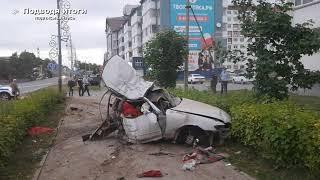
<point>59,48</point>
<point>186,63</point>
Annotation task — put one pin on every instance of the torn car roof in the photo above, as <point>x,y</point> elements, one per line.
<point>120,77</point>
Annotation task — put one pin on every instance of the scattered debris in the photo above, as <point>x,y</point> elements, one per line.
<point>34,131</point>
<point>238,152</point>
<point>189,165</point>
<point>121,178</point>
<point>151,173</point>
<point>200,156</point>
<point>113,157</point>
<point>74,108</point>
<point>161,154</point>
<point>228,164</point>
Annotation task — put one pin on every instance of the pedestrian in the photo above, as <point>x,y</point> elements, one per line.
<point>80,84</point>
<point>15,88</point>
<point>214,82</point>
<point>71,85</point>
<point>85,85</point>
<point>224,78</point>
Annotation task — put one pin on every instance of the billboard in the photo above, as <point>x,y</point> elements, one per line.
<point>204,13</point>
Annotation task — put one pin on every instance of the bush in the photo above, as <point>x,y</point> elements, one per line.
<point>17,116</point>
<point>279,130</point>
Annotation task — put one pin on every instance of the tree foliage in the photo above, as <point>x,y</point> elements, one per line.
<point>163,56</point>
<point>22,66</point>
<point>277,47</point>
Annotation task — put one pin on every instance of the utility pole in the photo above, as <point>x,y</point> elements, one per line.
<point>186,63</point>
<point>71,59</point>
<point>59,48</point>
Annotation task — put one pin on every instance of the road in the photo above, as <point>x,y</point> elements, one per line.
<point>36,85</point>
<point>206,86</point>
<point>315,91</point>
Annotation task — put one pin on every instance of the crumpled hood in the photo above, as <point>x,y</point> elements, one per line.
<point>119,76</point>
<point>198,108</point>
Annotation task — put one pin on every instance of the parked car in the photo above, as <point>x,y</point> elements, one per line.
<point>144,112</point>
<point>6,93</point>
<point>94,81</point>
<point>196,78</point>
<point>241,78</point>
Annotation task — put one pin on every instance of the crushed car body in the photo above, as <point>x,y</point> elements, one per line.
<point>144,112</point>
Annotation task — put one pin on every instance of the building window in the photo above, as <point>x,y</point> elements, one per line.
<point>229,67</point>
<point>229,46</point>
<point>235,46</point>
<point>236,33</point>
<point>228,12</point>
<point>130,54</point>
<point>241,39</point>
<point>235,12</point>
<point>235,39</point>
<point>229,33</point>
<point>229,19</point>
<point>130,44</point>
<point>236,26</point>
<point>242,67</point>
<point>235,67</point>
<point>235,19</point>
<point>229,40</point>
<point>229,25</point>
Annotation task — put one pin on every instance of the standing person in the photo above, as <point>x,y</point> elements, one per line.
<point>80,84</point>
<point>86,85</point>
<point>15,88</point>
<point>71,85</point>
<point>214,82</point>
<point>224,78</point>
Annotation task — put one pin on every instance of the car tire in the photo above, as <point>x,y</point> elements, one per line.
<point>5,96</point>
<point>190,134</point>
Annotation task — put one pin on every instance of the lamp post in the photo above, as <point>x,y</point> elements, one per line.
<point>186,63</point>
<point>59,48</point>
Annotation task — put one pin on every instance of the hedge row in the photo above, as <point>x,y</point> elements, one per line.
<point>17,116</point>
<point>279,130</point>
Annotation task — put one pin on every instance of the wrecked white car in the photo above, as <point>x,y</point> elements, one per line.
<point>143,112</point>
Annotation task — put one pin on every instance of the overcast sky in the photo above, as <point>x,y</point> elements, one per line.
<point>22,32</point>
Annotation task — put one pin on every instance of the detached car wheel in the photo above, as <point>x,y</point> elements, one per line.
<point>5,96</point>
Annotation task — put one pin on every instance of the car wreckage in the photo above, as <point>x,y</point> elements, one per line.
<point>143,112</point>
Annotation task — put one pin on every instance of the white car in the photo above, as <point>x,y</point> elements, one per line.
<point>144,112</point>
<point>196,78</point>
<point>241,79</point>
<point>6,93</point>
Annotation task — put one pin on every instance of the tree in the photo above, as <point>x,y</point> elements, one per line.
<point>163,55</point>
<point>277,47</point>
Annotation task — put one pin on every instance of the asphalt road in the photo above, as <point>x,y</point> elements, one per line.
<point>206,86</point>
<point>36,85</point>
<point>315,91</point>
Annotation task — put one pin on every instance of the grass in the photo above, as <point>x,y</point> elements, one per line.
<point>26,158</point>
<point>307,102</point>
<point>250,162</point>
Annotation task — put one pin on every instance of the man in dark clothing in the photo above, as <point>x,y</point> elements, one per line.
<point>71,85</point>
<point>214,82</point>
<point>80,84</point>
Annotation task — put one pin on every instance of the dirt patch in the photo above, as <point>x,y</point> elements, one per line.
<point>71,159</point>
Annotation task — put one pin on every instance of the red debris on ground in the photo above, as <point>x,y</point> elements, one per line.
<point>151,173</point>
<point>34,131</point>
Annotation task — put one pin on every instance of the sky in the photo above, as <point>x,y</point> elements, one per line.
<point>21,31</point>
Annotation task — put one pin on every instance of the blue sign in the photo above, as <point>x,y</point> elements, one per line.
<point>52,66</point>
<point>204,13</point>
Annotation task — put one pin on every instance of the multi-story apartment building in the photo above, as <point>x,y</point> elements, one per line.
<point>303,11</point>
<point>113,26</point>
<point>150,18</point>
<point>136,30</point>
<point>231,33</point>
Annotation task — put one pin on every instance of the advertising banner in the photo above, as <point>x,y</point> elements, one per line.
<point>204,13</point>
